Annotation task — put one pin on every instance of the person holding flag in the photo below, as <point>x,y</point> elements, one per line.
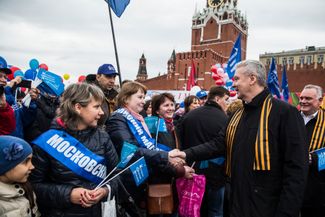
<point>73,157</point>
<point>127,125</point>
<point>163,108</point>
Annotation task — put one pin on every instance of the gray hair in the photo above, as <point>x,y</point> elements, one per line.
<point>254,67</point>
<point>319,90</point>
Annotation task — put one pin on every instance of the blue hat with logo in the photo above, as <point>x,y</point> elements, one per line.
<point>107,69</point>
<point>13,151</point>
<point>201,94</point>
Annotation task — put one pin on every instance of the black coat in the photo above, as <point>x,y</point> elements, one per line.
<point>119,132</point>
<point>199,126</point>
<point>315,190</point>
<point>53,182</point>
<point>274,193</point>
<point>46,111</point>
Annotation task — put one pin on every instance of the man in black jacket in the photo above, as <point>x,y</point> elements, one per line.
<point>202,125</point>
<point>265,146</point>
<point>105,79</point>
<point>311,98</point>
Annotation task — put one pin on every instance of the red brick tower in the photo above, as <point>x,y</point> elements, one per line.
<point>214,32</point>
<point>142,72</point>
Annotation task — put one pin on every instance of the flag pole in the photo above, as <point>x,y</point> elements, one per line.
<point>114,41</point>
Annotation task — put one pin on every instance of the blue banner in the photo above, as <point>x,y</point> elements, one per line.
<point>235,57</point>
<point>139,171</point>
<point>321,158</point>
<point>118,6</point>
<point>152,123</point>
<point>285,86</point>
<point>273,81</point>
<point>52,83</point>
<point>72,154</point>
<point>205,164</point>
<point>126,154</point>
<point>142,137</point>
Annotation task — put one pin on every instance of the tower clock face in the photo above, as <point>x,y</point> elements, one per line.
<point>215,3</point>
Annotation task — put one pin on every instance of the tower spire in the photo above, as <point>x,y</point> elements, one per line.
<point>142,72</point>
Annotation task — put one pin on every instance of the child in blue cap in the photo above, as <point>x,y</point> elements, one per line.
<point>16,195</point>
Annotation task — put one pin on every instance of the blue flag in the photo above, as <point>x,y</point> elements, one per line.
<point>126,154</point>
<point>139,171</point>
<point>235,57</point>
<point>52,83</point>
<point>155,124</point>
<point>285,86</point>
<point>321,158</point>
<point>118,6</point>
<point>273,81</point>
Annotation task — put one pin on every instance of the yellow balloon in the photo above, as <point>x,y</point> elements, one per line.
<point>66,77</point>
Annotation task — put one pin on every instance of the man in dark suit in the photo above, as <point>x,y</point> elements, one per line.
<point>265,147</point>
<point>199,126</point>
<point>311,98</point>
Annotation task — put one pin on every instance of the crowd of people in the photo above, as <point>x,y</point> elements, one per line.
<point>260,155</point>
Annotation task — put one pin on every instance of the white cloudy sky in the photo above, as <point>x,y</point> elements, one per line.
<point>74,36</point>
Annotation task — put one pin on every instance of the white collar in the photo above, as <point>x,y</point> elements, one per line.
<point>307,118</point>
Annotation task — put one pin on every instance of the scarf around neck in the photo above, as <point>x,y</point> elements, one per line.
<point>139,118</point>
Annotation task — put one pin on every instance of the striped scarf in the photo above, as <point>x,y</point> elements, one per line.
<point>262,151</point>
<point>318,138</point>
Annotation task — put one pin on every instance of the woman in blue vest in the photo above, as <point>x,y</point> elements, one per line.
<point>73,156</point>
<point>127,124</point>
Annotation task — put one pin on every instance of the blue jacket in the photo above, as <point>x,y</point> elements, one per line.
<point>24,117</point>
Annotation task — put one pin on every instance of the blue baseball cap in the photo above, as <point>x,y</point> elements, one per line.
<point>3,66</point>
<point>107,69</point>
<point>201,94</point>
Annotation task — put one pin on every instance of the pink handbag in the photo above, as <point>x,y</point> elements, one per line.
<point>190,195</point>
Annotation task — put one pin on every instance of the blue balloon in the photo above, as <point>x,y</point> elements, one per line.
<point>33,63</point>
<point>229,83</point>
<point>30,74</point>
<point>18,73</point>
<point>3,63</point>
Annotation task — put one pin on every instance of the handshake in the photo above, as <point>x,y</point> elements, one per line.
<point>177,158</point>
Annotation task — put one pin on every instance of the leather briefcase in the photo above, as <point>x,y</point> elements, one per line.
<point>160,199</point>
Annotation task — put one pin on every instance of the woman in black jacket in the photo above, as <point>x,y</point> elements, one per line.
<point>61,190</point>
<point>163,107</point>
<point>126,124</point>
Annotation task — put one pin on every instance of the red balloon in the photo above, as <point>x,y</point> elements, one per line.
<point>81,78</point>
<point>232,93</point>
<point>13,69</point>
<point>214,69</point>
<point>43,66</point>
<point>220,82</point>
<point>215,76</point>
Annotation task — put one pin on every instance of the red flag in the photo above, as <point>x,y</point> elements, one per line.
<point>191,78</point>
